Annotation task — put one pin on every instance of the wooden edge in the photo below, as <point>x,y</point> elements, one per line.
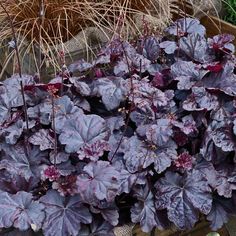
<point>215,25</point>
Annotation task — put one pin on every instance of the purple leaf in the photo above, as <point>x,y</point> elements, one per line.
<point>186,25</point>
<point>82,130</point>
<point>18,160</point>
<point>99,181</point>
<point>144,211</point>
<point>200,100</point>
<point>43,138</point>
<point>187,73</point>
<point>149,48</point>
<point>108,211</point>
<point>195,47</point>
<point>13,89</point>
<point>64,110</point>
<point>169,46</point>
<point>139,155</point>
<point>218,215</point>
<point>13,132</point>
<point>159,133</point>
<point>20,211</point>
<point>63,215</point>
<point>80,66</point>
<point>59,157</point>
<point>222,42</point>
<point>97,228</point>
<point>183,198</point>
<point>224,80</point>
<point>112,90</point>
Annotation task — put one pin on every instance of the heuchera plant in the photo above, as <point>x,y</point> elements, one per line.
<point>146,133</point>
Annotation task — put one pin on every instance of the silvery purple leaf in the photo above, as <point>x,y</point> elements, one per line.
<point>98,227</point>
<point>219,214</point>
<point>186,25</point>
<point>121,68</point>
<point>200,100</point>
<point>59,157</point>
<point>43,138</point>
<point>13,88</point>
<point>149,48</point>
<point>64,110</point>
<point>41,112</point>
<point>222,42</point>
<point>109,212</point>
<point>63,215</point>
<point>81,130</point>
<point>139,155</point>
<point>188,125</point>
<point>80,66</point>
<point>5,109</point>
<point>22,160</point>
<point>169,46</point>
<point>195,48</point>
<point>224,80</point>
<point>65,168</point>
<point>81,87</point>
<point>13,132</point>
<point>226,182</point>
<point>183,198</point>
<point>115,122</point>
<point>19,210</point>
<point>113,91</point>
<point>187,73</point>
<point>145,213</point>
<point>144,95</point>
<point>99,180</point>
<point>159,133</point>
<point>93,151</point>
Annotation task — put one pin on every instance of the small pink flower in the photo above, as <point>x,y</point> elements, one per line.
<point>98,73</point>
<point>51,173</point>
<point>184,161</point>
<point>66,185</point>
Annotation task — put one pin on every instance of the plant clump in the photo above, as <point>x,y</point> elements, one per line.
<point>146,133</point>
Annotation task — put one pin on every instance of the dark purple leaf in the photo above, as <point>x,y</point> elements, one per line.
<point>183,198</point>
<point>64,110</point>
<point>20,211</point>
<point>82,130</point>
<point>112,90</point>
<point>144,211</point>
<point>224,80</point>
<point>25,161</point>
<point>80,66</point>
<point>218,215</point>
<point>200,100</point>
<point>109,212</point>
<point>195,48</point>
<point>186,25</point>
<point>139,155</point>
<point>169,46</point>
<point>43,138</point>
<point>97,228</point>
<point>222,42</point>
<point>99,181</point>
<point>63,215</point>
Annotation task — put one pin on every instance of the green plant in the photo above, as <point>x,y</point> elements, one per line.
<point>230,11</point>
